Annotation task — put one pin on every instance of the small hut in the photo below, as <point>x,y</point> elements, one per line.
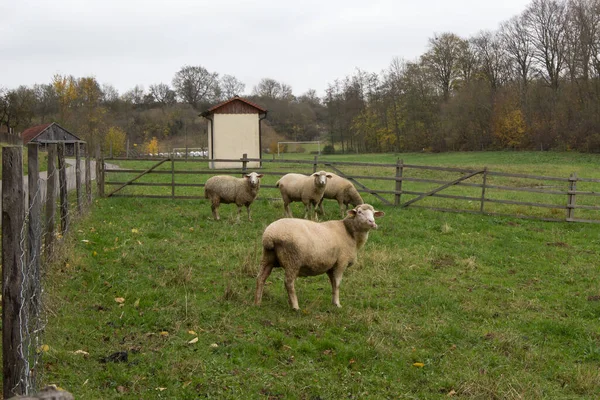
<point>233,130</point>
<point>50,133</point>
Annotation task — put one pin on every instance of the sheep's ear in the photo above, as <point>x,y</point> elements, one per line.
<point>379,213</point>
<point>352,213</point>
<point>260,175</point>
<point>329,176</point>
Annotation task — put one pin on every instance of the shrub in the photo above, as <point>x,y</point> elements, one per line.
<point>329,149</point>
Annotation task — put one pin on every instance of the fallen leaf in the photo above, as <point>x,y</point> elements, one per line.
<point>136,304</point>
<point>160,389</point>
<point>194,340</point>
<point>191,229</point>
<point>451,393</point>
<point>120,300</point>
<point>164,333</point>
<point>214,345</point>
<point>418,365</point>
<point>134,230</point>
<point>85,241</point>
<point>192,332</point>
<point>82,352</point>
<point>43,348</point>
<point>94,253</point>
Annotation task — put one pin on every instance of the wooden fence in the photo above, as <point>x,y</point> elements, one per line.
<point>480,191</point>
<point>24,253</point>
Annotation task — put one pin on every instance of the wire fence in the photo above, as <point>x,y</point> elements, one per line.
<point>30,244</point>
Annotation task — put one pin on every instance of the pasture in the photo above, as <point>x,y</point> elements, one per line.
<point>439,305</point>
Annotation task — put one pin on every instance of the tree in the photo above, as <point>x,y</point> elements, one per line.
<point>546,23</point>
<point>163,94</point>
<point>492,58</point>
<point>517,43</point>
<point>231,86</point>
<point>196,86</point>
<point>442,59</point>
<point>270,88</point>
<point>115,140</point>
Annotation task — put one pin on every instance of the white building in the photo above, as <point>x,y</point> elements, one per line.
<point>234,129</point>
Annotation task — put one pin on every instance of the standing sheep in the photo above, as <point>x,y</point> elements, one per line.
<point>343,191</point>
<point>307,248</point>
<point>228,189</point>
<point>307,189</point>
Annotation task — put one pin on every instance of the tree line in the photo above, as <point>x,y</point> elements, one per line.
<point>533,83</point>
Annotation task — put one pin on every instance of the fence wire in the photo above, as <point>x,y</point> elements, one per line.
<point>34,259</point>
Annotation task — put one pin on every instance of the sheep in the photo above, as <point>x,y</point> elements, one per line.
<point>307,189</point>
<point>308,248</point>
<point>228,189</point>
<point>343,191</point>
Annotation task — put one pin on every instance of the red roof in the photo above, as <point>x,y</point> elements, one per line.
<point>236,98</point>
<point>31,133</point>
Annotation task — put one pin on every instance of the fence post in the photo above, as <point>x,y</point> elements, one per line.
<point>481,206</point>
<point>315,163</point>
<point>399,172</point>
<point>13,218</point>
<point>50,200</point>
<point>63,190</point>
<point>78,176</point>
<point>571,197</point>
<point>244,164</point>
<point>34,235</point>
<point>99,172</point>
<point>88,175</point>
<point>172,176</point>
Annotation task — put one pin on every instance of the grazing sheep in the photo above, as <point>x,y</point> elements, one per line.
<point>307,189</point>
<point>228,189</point>
<point>307,248</point>
<point>343,191</point>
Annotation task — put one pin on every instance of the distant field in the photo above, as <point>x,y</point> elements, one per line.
<point>439,305</point>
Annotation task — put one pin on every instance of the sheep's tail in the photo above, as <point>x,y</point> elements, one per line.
<point>277,183</point>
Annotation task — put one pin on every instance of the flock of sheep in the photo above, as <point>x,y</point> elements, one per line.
<point>302,247</point>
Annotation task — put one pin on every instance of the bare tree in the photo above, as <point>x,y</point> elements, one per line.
<point>195,85</point>
<point>135,96</point>
<point>163,94</point>
<point>492,58</point>
<point>231,86</point>
<point>546,26</point>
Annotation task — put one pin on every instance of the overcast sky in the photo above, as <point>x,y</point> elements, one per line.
<point>305,44</point>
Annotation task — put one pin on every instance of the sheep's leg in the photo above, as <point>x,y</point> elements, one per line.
<point>267,262</point>
<point>335,277</point>
<point>290,277</point>
<point>286,207</point>
<point>215,210</point>
<point>248,210</point>
<point>321,207</point>
<point>306,207</point>
<point>239,213</point>
<point>341,204</point>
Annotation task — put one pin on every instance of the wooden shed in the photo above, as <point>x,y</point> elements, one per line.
<point>234,129</point>
<point>51,133</point>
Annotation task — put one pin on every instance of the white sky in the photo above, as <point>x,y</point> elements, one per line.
<point>305,44</point>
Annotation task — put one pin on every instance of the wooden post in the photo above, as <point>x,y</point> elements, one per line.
<point>315,164</point>
<point>399,172</point>
<point>13,218</point>
<point>62,190</point>
<point>571,197</point>
<point>78,177</point>
<point>244,164</point>
<point>88,175</point>
<point>34,232</point>
<point>99,172</point>
<point>172,176</point>
<point>50,200</point>
<point>482,205</point>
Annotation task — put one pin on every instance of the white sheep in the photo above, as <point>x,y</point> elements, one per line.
<point>342,190</point>
<point>307,189</point>
<point>308,248</point>
<point>228,189</point>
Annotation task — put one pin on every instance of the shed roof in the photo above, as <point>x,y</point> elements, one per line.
<point>30,134</point>
<point>233,99</point>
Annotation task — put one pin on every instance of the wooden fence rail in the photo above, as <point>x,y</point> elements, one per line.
<point>407,191</point>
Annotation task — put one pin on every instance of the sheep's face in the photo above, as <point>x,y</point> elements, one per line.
<point>365,215</point>
<point>253,179</point>
<point>321,178</point>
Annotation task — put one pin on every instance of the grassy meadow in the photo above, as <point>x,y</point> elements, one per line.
<point>439,304</point>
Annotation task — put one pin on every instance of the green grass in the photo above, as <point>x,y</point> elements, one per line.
<point>492,308</point>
